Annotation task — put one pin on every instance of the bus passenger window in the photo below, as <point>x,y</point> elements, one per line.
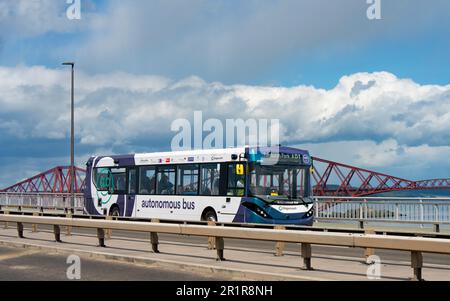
<point>209,175</point>
<point>147,180</point>
<point>187,179</point>
<point>236,180</point>
<point>165,180</point>
<point>118,176</point>
<point>102,179</point>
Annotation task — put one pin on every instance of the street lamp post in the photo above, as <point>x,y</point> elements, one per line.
<point>72,140</point>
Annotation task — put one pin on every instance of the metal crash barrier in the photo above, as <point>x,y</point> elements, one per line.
<point>415,245</point>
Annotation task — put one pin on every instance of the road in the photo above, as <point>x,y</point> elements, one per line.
<point>18,264</point>
<point>187,258</point>
<point>385,255</point>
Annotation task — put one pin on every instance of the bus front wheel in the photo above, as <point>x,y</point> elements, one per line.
<point>210,215</point>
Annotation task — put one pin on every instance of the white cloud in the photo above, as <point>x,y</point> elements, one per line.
<point>391,121</point>
<point>236,40</point>
<point>388,156</point>
<point>131,105</point>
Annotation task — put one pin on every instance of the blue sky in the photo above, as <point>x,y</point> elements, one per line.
<point>310,50</point>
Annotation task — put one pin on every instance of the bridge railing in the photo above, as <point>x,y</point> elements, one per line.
<point>363,209</point>
<point>38,199</point>
<point>383,209</point>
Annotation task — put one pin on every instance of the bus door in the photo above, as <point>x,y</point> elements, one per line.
<point>131,192</point>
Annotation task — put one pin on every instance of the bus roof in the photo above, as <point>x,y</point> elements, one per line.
<point>190,156</point>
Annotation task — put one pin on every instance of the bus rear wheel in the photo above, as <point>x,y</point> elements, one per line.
<point>210,216</point>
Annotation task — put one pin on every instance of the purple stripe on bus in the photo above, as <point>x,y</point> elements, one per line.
<point>121,203</point>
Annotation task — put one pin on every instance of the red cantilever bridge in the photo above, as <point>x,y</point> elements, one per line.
<point>329,179</point>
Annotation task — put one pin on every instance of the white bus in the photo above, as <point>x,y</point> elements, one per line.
<point>268,185</point>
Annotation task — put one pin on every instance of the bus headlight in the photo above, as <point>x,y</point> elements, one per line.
<point>255,208</point>
<point>261,212</point>
<point>310,212</point>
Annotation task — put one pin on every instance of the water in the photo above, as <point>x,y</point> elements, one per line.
<point>407,212</point>
<point>432,193</point>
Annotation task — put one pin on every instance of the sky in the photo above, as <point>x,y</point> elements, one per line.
<point>372,93</point>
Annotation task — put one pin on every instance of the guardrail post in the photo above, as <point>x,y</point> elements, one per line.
<point>421,213</point>
<point>154,238</point>
<point>306,255</point>
<point>220,245</point>
<point>361,224</point>
<point>436,212</point>
<point>20,230</point>
<point>417,264</point>
<point>108,232</point>
<point>279,245</point>
<point>34,226</point>
<point>211,239</point>
<point>316,208</point>
<point>6,223</point>
<point>436,228</point>
<point>57,232</point>
<point>101,237</point>
<point>68,228</point>
<point>369,251</point>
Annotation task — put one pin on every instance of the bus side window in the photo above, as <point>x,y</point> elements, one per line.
<point>209,175</point>
<point>166,177</point>
<point>147,180</point>
<point>236,180</point>
<point>102,178</point>
<point>187,179</point>
<point>118,176</point>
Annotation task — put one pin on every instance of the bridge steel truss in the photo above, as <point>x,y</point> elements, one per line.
<point>55,180</point>
<point>329,178</point>
<point>336,179</point>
